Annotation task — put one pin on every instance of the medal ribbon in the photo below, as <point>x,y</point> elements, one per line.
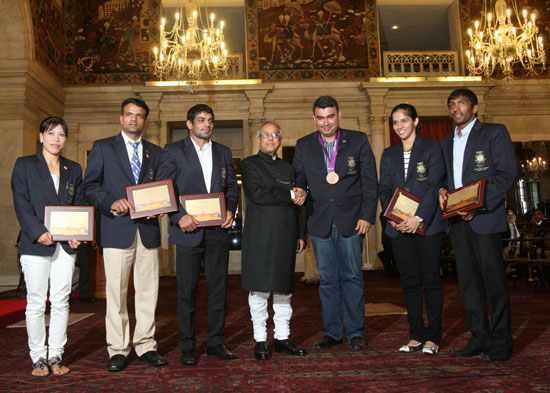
<point>330,154</point>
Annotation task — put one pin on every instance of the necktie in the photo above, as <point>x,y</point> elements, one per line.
<point>134,162</point>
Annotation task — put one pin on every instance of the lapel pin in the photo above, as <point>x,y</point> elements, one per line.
<point>64,167</point>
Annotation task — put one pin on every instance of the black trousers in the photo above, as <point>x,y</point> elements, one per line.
<point>482,284</point>
<point>85,259</point>
<point>213,254</point>
<point>417,260</point>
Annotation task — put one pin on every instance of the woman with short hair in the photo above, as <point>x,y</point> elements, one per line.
<point>40,180</point>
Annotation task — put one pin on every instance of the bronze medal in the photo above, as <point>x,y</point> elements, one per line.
<point>332,178</point>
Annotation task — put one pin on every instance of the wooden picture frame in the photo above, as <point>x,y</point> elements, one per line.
<point>403,204</point>
<point>151,199</point>
<point>70,222</point>
<point>208,209</point>
<point>465,199</point>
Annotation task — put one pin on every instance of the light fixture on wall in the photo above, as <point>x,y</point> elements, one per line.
<point>504,38</point>
<point>191,49</point>
<point>535,167</point>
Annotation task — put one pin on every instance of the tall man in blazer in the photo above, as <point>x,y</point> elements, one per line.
<point>337,168</point>
<point>477,151</point>
<point>115,163</point>
<point>199,165</point>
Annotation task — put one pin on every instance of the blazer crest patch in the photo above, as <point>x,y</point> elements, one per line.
<point>352,165</point>
<point>69,188</point>
<point>480,161</point>
<point>421,171</point>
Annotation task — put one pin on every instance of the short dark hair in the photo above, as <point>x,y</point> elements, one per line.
<point>53,121</point>
<point>137,102</point>
<point>463,92</point>
<point>199,108</point>
<point>409,110</point>
<point>323,102</point>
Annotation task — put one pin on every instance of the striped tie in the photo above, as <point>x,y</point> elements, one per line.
<point>134,162</point>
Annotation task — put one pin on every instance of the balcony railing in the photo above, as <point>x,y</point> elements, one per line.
<point>421,63</point>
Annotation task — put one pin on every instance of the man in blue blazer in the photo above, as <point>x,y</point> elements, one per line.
<point>337,168</point>
<point>477,151</point>
<point>113,164</point>
<point>199,165</point>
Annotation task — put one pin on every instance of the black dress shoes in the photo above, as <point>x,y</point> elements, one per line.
<point>473,348</point>
<point>117,363</point>
<point>153,358</point>
<point>327,342</point>
<point>288,347</point>
<point>356,344</point>
<point>221,352</point>
<point>188,358</point>
<point>261,351</point>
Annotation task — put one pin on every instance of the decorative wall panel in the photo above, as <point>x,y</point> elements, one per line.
<point>312,39</point>
<point>49,35</point>
<point>110,41</point>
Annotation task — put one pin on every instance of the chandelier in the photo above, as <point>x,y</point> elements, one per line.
<point>535,166</point>
<point>505,38</point>
<point>191,49</point>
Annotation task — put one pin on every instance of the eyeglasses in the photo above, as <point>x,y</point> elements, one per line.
<point>270,136</point>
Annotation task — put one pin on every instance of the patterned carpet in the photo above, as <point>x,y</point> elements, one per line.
<point>377,369</point>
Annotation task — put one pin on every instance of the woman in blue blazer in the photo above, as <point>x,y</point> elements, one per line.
<point>416,164</point>
<point>37,181</point>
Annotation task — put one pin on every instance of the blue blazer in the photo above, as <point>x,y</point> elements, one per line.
<point>181,163</point>
<point>33,190</point>
<point>489,155</point>
<point>355,195</point>
<point>107,175</point>
<point>425,176</point>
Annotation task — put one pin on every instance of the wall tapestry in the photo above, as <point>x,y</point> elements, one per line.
<point>312,39</point>
<point>110,41</point>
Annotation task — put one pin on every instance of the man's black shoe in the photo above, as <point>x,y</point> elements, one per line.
<point>153,358</point>
<point>117,363</point>
<point>357,344</point>
<point>473,348</point>
<point>221,352</point>
<point>327,342</point>
<point>289,347</point>
<point>261,351</point>
<point>500,355</point>
<point>188,358</point>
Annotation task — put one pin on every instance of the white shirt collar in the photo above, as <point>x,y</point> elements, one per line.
<point>466,130</point>
<point>207,146</point>
<point>127,139</point>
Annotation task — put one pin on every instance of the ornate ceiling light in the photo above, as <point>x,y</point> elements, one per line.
<point>503,39</point>
<point>191,49</point>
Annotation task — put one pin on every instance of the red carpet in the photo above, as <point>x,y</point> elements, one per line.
<point>377,369</point>
<point>11,310</point>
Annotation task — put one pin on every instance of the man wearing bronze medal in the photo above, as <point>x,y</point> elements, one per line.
<point>337,168</point>
<point>477,151</point>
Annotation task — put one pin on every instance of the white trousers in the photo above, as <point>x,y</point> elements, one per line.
<point>282,310</point>
<point>57,271</point>
<point>144,263</point>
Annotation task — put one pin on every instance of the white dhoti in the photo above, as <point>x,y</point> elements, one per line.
<point>282,312</point>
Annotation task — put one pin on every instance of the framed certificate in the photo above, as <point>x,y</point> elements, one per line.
<point>150,199</point>
<point>70,222</point>
<point>208,209</point>
<point>465,199</point>
<point>403,205</point>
